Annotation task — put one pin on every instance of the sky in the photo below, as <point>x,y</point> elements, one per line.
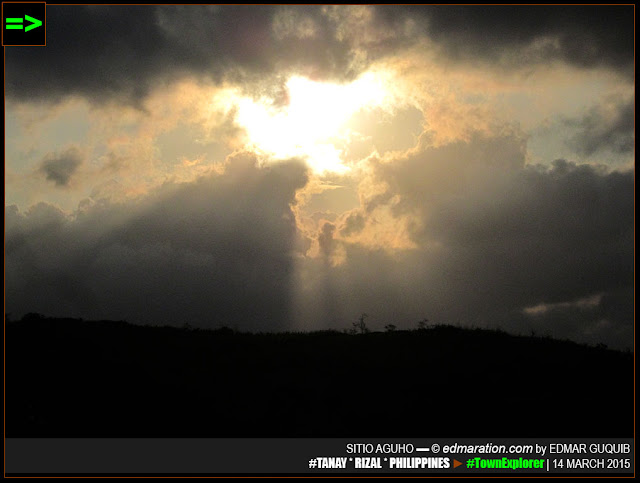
<point>272,168</point>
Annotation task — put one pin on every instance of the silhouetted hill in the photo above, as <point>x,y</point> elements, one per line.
<point>73,378</point>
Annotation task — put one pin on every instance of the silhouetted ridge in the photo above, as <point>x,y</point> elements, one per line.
<point>75,378</point>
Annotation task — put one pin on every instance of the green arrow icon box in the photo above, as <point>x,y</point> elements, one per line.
<point>24,24</point>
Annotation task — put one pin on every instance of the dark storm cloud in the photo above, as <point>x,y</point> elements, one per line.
<point>548,236</point>
<point>585,36</point>
<point>495,237</point>
<point>104,52</point>
<point>60,167</point>
<point>599,131</point>
<point>122,52</point>
<point>217,251</point>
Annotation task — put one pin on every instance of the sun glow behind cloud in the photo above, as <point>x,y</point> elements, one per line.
<point>314,123</point>
<point>430,172</point>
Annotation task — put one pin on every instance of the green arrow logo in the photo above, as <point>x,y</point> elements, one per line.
<point>16,23</point>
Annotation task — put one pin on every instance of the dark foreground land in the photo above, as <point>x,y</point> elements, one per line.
<point>72,378</point>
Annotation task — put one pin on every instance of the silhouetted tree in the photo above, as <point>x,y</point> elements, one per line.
<point>422,325</point>
<point>390,327</point>
<point>360,327</point>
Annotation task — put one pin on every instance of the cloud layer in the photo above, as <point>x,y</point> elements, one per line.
<point>492,238</point>
<point>216,251</point>
<point>122,52</point>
